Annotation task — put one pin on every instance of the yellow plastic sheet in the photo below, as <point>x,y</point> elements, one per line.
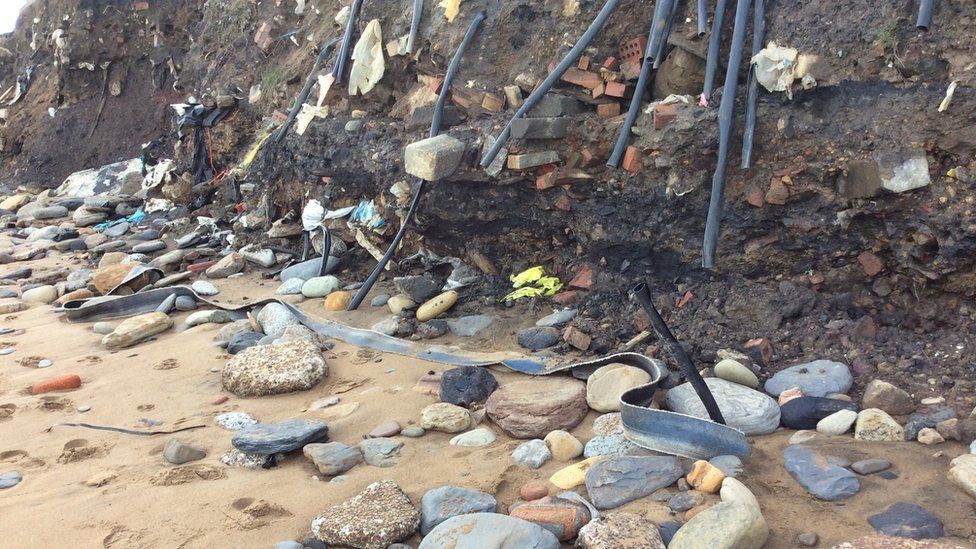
<point>533,282</point>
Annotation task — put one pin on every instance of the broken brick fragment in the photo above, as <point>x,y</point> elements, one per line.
<point>561,176</point>
<point>611,63</point>
<point>871,263</point>
<point>585,79</point>
<point>599,91</point>
<point>435,83</point>
<point>633,50</point>
<point>589,158</point>
<point>466,98</point>
<point>632,160</point>
<point>778,193</point>
<point>563,204</point>
<point>583,279</point>
<point>576,338</point>
<point>617,89</point>
<point>608,109</point>
<point>754,197</point>
<point>684,300</point>
<point>140,6</point>
<point>663,114</point>
<point>492,102</point>
<point>566,298</point>
<point>760,348</point>
<point>263,36</point>
<point>584,63</point>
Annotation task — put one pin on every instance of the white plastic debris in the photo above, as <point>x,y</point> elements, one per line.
<point>777,67</point>
<point>306,115</point>
<point>948,98</point>
<point>342,17</point>
<point>368,64</point>
<point>312,215</point>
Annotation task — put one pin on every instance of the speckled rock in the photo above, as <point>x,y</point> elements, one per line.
<point>274,369</point>
<point>274,318</point>
<point>135,329</point>
<point>533,408</point>
<point>445,417</point>
<point>876,426</point>
<point>375,518</point>
<point>619,530</point>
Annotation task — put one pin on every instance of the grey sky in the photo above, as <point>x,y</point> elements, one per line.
<point>9,9</point>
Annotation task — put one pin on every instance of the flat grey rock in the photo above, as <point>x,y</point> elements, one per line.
<point>818,476</point>
<point>557,318</point>
<point>284,436</point>
<point>489,531</point>
<point>469,326</point>
<point>381,452</point>
<point>746,409</point>
<point>614,481</point>
<point>445,502</point>
<point>818,378</point>
<point>308,269</point>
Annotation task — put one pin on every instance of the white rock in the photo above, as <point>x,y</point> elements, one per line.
<point>837,423</point>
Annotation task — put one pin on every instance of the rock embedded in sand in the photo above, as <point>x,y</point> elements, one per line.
<point>818,476</point>
<point>870,466</point>
<point>232,263</point>
<point>284,436</point>
<point>41,294</point>
<point>907,520</point>
<point>338,301</point>
<point>474,439</point>
<point>274,318</point>
<point>385,429</point>
<point>243,340</point>
<point>13,307</point>
<point>292,286</point>
<point>560,515</point>
<point>10,479</point>
<point>818,378</point>
<point>135,329</point>
<point>178,452</point>
<point>747,410</point>
<point>962,473</point>
<point>467,385</point>
<point>235,421</point>
<point>563,445</point>
<point>213,316</point>
<point>333,458</point>
<point>399,303</point>
<point>440,504</point>
<point>736,522</point>
<point>607,383</point>
<point>488,531</point>
<point>375,518</point>
<point>380,452</point>
<point>436,306</point>
<point>274,369</point>
<point>614,481</point>
<point>445,417</point>
<point>534,408</point>
<point>618,530</point>
<point>930,436</point>
<point>470,325</point>
<point>837,423</point>
<point>533,490</point>
<point>532,454</point>
<point>874,425</point>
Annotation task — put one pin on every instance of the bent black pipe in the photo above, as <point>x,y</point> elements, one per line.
<point>724,132</point>
<point>758,33</point>
<point>677,352</point>
<point>340,67</point>
<point>702,17</point>
<point>547,84</point>
<point>642,81</point>
<point>924,15</point>
<point>435,126</point>
<point>711,60</point>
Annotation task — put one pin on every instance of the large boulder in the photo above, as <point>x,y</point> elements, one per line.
<point>274,369</point>
<point>489,531</point>
<point>377,517</point>
<point>534,407</point>
<point>746,409</point>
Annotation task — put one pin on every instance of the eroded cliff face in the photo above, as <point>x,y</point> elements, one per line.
<point>815,256</point>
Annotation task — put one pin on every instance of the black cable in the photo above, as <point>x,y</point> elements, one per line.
<point>758,32</point>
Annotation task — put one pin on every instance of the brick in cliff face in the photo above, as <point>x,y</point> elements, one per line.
<point>433,158</point>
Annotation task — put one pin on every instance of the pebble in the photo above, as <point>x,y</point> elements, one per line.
<point>10,479</point>
<point>731,466</point>
<point>563,445</point>
<point>870,466</point>
<point>532,454</point>
<point>288,544</point>
<point>874,425</point>
<point>419,288</point>
<point>470,326</point>
<point>385,429</point>
<point>45,363</point>
<point>736,372</point>
<point>837,423</point>
<point>178,452</point>
<point>801,437</point>
<point>413,432</point>
<point>204,288</point>
<point>439,504</point>
<point>333,458</point>
<point>962,473</point>
<point>614,481</point>
<point>474,439</point>
<point>746,409</point>
<point>537,338</point>
<point>619,530</point>
<point>613,445</point>
<point>436,306</point>
<point>6,351</point>
<point>489,530</point>
<point>705,477</point>
<point>220,399</point>
<point>274,318</point>
<point>320,286</point>
<point>817,378</point>
<point>41,294</point>
<point>381,452</point>
<point>167,305</point>
<point>467,385</point>
<point>820,478</point>
<point>338,300</point>
<point>927,417</point>
<point>885,396</point>
<point>186,303</point>
<point>683,501</point>
<point>607,383</point>
<point>927,436</point>
<point>907,520</point>
<point>149,247</point>
<point>235,421</point>
<point>534,489</point>
<point>84,408</point>
<point>557,318</point>
<point>808,539</point>
<point>292,286</point>
<point>379,300</point>
<point>534,408</point>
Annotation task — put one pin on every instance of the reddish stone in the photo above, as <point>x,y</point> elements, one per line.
<point>563,204</point>
<point>871,263</point>
<point>589,158</point>
<point>583,279</point>
<point>576,338</point>
<point>140,6</point>
<point>816,279</point>
<point>663,114</point>
<point>60,383</point>
<point>561,176</point>
<point>683,300</point>
<point>200,267</point>
<point>566,298</point>
<point>561,516</point>
<point>754,197</point>
<point>762,345</point>
<point>429,384</point>
<point>534,489</point>
<point>435,84</point>
<point>219,400</point>
<point>465,97</point>
<point>191,256</point>
<point>385,429</point>
<point>617,89</point>
<point>608,109</point>
<point>789,395</point>
<point>263,36</point>
<point>630,70</point>
<point>632,160</point>
<point>778,193</point>
<point>585,79</point>
<point>599,91</point>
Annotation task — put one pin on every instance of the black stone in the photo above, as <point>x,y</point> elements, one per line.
<point>927,418</point>
<point>887,475</point>
<point>420,288</point>
<point>432,328</point>
<point>538,337</point>
<point>907,520</point>
<point>668,530</point>
<point>242,341</point>
<point>804,412</point>
<point>467,385</point>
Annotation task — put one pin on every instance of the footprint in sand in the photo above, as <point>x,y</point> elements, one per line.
<point>80,449</point>
<point>55,404</point>
<point>30,361</point>
<point>257,513</point>
<point>7,412</point>
<point>90,360</point>
<point>21,458</point>
<point>167,364</point>
<point>183,474</point>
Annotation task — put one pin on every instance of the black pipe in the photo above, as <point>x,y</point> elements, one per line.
<point>326,248</point>
<point>305,243</point>
<point>340,66</point>
<point>711,60</point>
<point>758,33</point>
<point>677,352</point>
<point>557,73</point>
<point>724,132</point>
<point>702,17</point>
<point>642,82</point>
<point>924,14</point>
<point>418,9</point>
<point>435,126</point>
<point>663,42</point>
<point>303,95</point>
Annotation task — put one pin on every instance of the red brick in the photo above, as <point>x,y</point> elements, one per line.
<point>263,36</point>
<point>435,84</point>
<point>630,70</point>
<point>566,298</point>
<point>576,338</point>
<point>617,89</point>
<point>584,63</point>
<point>633,50</point>
<point>140,6</point>
<point>608,109</point>
<point>586,79</point>
<point>778,193</point>
<point>632,160</point>
<point>589,159</point>
<point>871,263</point>
<point>763,346</point>
<point>754,197</point>
<point>561,176</point>
<point>465,97</point>
<point>663,114</point>
<point>611,63</point>
<point>583,279</point>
